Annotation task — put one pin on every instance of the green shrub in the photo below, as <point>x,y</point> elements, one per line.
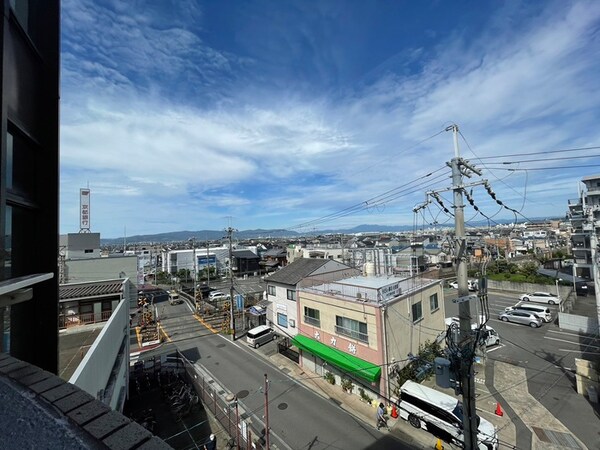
<point>329,377</point>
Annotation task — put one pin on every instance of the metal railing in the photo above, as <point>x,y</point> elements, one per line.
<point>363,337</point>
<point>72,320</point>
<point>225,408</point>
<point>312,321</point>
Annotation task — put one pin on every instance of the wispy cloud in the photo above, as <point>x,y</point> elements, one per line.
<point>157,111</point>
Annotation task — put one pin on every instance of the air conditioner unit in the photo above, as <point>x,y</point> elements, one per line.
<point>292,323</point>
<point>358,296</point>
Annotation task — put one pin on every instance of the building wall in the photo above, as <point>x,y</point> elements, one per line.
<point>279,304</point>
<point>29,170</point>
<point>103,372</point>
<point>81,245</point>
<point>101,269</point>
<point>329,307</point>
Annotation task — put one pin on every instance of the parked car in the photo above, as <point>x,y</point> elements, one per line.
<point>541,297</point>
<point>217,295</point>
<point>519,316</point>
<point>471,284</point>
<point>543,312</point>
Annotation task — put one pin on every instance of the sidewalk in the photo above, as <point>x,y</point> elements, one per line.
<point>547,432</point>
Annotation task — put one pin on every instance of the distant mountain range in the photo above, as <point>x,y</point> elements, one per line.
<point>212,235</point>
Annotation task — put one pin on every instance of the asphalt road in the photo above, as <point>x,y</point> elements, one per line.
<point>298,418</point>
<point>548,356</point>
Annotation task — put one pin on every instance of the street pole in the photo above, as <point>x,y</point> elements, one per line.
<point>464,311</point>
<point>195,269</point>
<point>207,263</point>
<point>266,413</point>
<point>231,310</point>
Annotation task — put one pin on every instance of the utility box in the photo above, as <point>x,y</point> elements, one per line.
<point>442,372</point>
<point>592,393</point>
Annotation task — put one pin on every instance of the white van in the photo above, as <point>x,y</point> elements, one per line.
<point>543,312</point>
<point>435,411</point>
<point>260,335</point>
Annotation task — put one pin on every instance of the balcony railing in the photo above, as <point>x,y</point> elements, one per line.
<point>352,334</point>
<point>71,320</point>
<point>312,321</point>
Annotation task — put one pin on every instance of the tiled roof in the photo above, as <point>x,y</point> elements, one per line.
<point>92,289</point>
<point>293,273</point>
<point>245,254</point>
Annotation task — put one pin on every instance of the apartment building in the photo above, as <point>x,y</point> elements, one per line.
<point>363,328</point>
<point>584,213</point>
<point>282,289</point>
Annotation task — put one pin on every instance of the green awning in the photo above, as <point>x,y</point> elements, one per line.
<point>344,361</point>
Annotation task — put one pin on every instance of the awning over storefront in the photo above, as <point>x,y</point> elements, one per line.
<point>344,361</point>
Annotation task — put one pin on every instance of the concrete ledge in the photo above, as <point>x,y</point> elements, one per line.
<point>41,407</point>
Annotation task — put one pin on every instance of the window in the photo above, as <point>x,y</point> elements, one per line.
<point>282,320</point>
<point>312,316</point>
<point>433,302</point>
<point>417,312</point>
<point>351,328</point>
<point>291,295</point>
<point>270,290</point>
<point>88,250</point>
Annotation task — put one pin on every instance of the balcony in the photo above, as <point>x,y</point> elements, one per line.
<point>362,337</point>
<point>312,321</point>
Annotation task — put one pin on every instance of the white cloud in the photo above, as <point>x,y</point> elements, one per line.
<point>297,157</point>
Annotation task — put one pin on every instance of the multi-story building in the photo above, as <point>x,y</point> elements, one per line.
<point>29,170</point>
<point>584,213</point>
<point>282,289</point>
<point>363,328</point>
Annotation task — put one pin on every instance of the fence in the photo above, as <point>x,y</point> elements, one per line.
<point>71,320</point>
<point>225,408</point>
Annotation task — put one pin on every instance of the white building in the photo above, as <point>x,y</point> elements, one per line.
<point>283,284</point>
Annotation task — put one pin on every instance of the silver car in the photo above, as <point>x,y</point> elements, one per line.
<point>519,316</point>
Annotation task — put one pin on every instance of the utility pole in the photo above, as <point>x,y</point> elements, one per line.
<point>464,312</point>
<point>231,310</point>
<point>195,267</point>
<point>266,413</point>
<point>207,263</point>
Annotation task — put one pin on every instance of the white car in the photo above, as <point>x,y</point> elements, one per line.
<point>217,295</point>
<point>453,285</point>
<point>541,297</point>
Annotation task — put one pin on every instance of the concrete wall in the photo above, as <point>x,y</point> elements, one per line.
<point>103,371</point>
<point>581,324</point>
<point>523,288</point>
<point>101,269</point>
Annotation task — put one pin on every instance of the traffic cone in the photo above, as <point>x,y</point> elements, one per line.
<point>499,411</point>
<point>394,412</point>
<point>438,445</point>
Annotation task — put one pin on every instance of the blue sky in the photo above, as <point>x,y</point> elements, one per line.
<point>191,115</point>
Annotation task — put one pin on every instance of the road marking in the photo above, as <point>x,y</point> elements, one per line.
<point>585,336</point>
<point>207,325</point>
<point>139,336</point>
<point>570,342</point>
<point>577,351</point>
<point>496,347</point>
<point>164,332</point>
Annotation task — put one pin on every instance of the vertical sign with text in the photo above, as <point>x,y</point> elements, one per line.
<point>84,210</point>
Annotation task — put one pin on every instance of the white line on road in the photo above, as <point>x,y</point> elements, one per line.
<point>574,334</point>
<point>577,351</point>
<point>571,342</point>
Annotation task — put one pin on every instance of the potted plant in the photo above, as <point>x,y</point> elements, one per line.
<point>329,377</point>
<point>347,385</point>
<point>364,396</point>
